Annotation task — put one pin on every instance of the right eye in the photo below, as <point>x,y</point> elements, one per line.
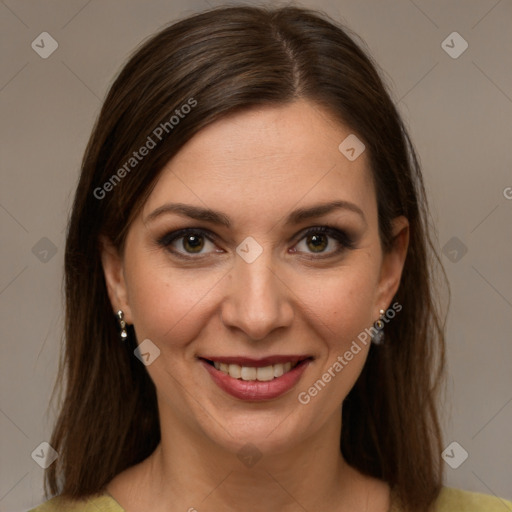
<point>191,241</point>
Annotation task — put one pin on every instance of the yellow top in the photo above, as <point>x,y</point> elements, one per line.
<point>449,500</point>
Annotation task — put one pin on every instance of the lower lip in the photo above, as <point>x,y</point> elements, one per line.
<point>255,390</point>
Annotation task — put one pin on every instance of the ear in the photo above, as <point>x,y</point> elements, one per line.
<point>393,263</point>
<point>113,269</point>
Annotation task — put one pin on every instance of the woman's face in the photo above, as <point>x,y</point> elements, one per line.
<point>257,283</point>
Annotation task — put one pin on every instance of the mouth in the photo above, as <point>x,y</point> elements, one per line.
<point>256,379</point>
<point>262,370</point>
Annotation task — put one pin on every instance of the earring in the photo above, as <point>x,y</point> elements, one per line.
<point>378,337</point>
<point>122,325</point>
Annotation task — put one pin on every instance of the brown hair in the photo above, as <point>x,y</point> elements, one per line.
<point>222,61</point>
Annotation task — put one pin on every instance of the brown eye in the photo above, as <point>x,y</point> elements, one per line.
<point>194,242</point>
<point>187,242</point>
<point>324,241</point>
<point>317,243</point>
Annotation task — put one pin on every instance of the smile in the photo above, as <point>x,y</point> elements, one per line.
<point>256,379</point>
<point>262,374</point>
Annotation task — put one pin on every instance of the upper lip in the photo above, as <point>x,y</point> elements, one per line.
<point>257,363</point>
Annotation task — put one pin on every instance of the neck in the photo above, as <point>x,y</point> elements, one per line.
<point>189,471</point>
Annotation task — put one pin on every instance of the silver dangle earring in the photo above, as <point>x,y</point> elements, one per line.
<point>378,337</point>
<point>122,325</point>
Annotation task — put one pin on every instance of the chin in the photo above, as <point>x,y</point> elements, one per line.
<point>261,432</point>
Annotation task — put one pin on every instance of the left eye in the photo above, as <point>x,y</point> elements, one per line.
<point>317,242</point>
<point>319,239</point>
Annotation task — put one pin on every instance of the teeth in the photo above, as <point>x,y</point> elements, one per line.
<point>278,370</point>
<point>248,373</point>
<point>235,371</point>
<point>264,373</point>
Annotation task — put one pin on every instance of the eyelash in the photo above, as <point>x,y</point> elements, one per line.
<point>345,241</point>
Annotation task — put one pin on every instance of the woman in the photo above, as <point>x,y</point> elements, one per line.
<point>251,323</point>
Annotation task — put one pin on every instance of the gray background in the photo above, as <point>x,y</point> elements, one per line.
<point>459,114</point>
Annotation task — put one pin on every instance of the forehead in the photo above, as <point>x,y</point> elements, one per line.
<point>267,158</point>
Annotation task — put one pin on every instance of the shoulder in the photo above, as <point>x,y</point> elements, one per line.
<point>457,500</point>
<point>103,503</point>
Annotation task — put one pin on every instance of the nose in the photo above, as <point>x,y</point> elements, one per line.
<point>258,300</point>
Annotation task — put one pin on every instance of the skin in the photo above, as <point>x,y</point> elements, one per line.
<point>255,167</point>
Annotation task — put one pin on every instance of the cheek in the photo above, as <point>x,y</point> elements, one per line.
<point>168,304</point>
<point>341,301</point>
<point>343,309</point>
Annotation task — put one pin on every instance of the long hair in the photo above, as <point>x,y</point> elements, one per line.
<point>219,62</point>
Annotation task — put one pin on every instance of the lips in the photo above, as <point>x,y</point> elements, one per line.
<point>256,363</point>
<point>256,379</point>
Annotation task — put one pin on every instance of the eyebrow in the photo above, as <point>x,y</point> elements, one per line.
<point>219,218</point>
